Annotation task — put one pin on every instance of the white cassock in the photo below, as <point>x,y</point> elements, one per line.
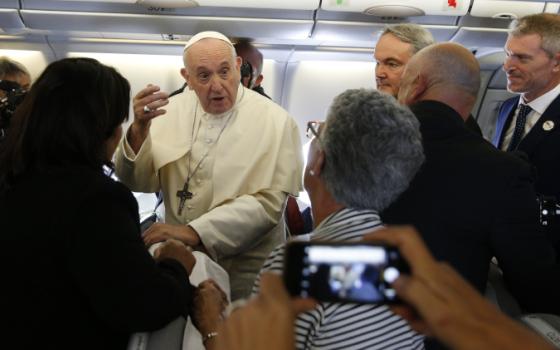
<point>251,158</point>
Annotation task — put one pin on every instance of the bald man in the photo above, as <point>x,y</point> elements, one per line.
<point>470,201</point>
<point>224,174</point>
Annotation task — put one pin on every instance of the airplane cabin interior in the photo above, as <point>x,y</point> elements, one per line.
<point>313,50</point>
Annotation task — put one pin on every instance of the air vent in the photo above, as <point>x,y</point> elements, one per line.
<point>394,11</point>
<point>168,3</point>
<point>505,16</point>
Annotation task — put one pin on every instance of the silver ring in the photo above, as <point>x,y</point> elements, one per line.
<point>147,109</point>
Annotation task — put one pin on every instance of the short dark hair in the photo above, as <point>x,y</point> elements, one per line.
<point>9,67</point>
<point>66,118</point>
<point>244,47</point>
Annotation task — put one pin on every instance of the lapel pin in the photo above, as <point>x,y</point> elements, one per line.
<point>548,125</point>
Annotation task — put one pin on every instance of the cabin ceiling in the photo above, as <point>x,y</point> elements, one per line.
<point>295,24</point>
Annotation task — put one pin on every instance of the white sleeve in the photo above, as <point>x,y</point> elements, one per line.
<point>239,224</point>
<point>136,170</point>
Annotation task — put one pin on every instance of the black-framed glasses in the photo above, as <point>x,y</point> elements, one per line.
<point>313,129</point>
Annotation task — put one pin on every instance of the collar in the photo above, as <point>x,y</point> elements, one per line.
<point>541,103</point>
<point>345,214</point>
<point>438,120</point>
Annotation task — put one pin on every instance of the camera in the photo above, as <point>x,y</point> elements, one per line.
<point>549,210</point>
<point>14,95</point>
<point>247,74</point>
<point>343,272</point>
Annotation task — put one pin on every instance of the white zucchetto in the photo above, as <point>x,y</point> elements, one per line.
<point>206,35</point>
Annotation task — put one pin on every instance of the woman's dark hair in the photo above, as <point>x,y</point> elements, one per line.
<point>66,119</point>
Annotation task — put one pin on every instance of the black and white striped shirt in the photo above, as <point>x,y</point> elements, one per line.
<point>347,326</point>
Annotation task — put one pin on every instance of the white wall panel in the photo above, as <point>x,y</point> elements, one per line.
<point>311,86</point>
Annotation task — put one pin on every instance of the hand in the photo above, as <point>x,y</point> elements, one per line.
<point>443,304</point>
<point>152,98</point>
<point>266,322</point>
<point>159,232</point>
<point>209,305</point>
<point>173,249</point>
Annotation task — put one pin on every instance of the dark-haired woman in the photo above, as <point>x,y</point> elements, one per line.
<point>75,272</point>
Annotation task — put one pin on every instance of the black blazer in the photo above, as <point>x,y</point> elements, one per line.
<point>471,202</point>
<point>542,146</point>
<point>76,274</point>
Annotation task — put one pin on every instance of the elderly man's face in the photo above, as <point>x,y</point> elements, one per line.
<point>530,70</point>
<point>391,56</point>
<point>213,73</point>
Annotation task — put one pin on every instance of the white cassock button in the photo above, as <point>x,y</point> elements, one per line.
<point>208,140</point>
<point>189,206</point>
<point>198,181</point>
<point>548,125</point>
<point>210,126</point>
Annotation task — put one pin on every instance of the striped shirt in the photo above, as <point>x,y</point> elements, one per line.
<point>347,326</point>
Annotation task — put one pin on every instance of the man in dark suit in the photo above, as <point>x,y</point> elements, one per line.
<point>470,201</point>
<point>530,123</point>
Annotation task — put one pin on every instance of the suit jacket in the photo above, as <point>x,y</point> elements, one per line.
<point>76,274</point>
<point>541,146</point>
<point>471,202</point>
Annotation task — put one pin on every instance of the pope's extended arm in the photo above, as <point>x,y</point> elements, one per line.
<point>236,225</point>
<point>136,170</point>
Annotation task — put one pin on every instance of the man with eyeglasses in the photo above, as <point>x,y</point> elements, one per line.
<point>359,161</point>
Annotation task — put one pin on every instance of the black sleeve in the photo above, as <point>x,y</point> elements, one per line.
<point>523,251</point>
<point>107,257</point>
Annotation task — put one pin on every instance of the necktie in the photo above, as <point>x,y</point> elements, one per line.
<point>524,110</point>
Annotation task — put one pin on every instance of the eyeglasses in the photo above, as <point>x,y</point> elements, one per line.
<point>313,129</point>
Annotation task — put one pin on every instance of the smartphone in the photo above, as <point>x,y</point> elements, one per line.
<point>345,272</point>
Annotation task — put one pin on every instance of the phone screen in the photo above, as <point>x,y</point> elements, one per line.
<point>343,272</point>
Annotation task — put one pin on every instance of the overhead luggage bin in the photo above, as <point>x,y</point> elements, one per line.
<point>264,4</point>
<point>400,8</point>
<point>10,22</point>
<point>505,9</point>
<point>188,25</point>
<point>368,32</point>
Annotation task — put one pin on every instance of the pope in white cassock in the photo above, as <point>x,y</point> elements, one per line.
<point>224,157</point>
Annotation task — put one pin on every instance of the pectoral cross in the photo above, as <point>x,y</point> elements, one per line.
<point>183,195</point>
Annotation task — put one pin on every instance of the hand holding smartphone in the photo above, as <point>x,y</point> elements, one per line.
<point>358,272</point>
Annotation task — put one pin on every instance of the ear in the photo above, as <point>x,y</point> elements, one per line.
<point>318,162</point>
<point>238,62</point>
<point>417,88</point>
<point>556,59</point>
<point>186,76</point>
<point>259,80</point>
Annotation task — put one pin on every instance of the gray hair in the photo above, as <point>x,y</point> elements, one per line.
<point>373,149</point>
<point>547,25</point>
<point>411,33</point>
<point>10,67</point>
